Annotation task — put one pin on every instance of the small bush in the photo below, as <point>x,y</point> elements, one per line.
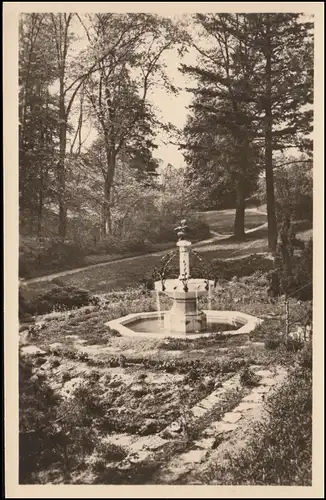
<point>248,378</point>
<point>292,274</point>
<point>272,342</point>
<point>35,260</point>
<point>305,356</point>
<point>59,298</point>
<point>293,344</point>
<point>247,266</point>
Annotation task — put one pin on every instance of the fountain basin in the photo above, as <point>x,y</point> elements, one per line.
<point>151,324</point>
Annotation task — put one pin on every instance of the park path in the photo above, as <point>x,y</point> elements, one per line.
<point>216,237</point>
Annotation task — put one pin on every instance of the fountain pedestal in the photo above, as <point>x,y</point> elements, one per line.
<point>184,316</point>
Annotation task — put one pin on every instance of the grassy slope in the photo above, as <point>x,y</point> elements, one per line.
<point>222,221</point>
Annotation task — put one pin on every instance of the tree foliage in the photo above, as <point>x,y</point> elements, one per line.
<point>253,98</point>
<point>94,70</point>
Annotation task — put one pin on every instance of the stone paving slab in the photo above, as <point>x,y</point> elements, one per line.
<point>32,349</point>
<point>198,411</point>
<point>219,427</point>
<point>231,417</point>
<point>246,405</point>
<point>264,373</point>
<point>193,456</point>
<point>205,443</point>
<point>154,442</point>
<point>139,456</point>
<point>254,397</point>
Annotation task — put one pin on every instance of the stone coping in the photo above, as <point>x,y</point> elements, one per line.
<point>247,321</point>
<point>174,288</point>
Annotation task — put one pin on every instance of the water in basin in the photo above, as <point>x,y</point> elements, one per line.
<point>155,325</point>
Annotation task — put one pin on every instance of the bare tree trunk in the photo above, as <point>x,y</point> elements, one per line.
<point>61,171</point>
<point>106,218</point>
<point>239,229</point>
<point>110,171</point>
<point>271,213</point>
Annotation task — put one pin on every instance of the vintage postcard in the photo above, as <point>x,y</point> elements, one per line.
<point>163,171</point>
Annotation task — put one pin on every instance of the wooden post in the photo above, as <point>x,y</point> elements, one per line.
<point>286,319</point>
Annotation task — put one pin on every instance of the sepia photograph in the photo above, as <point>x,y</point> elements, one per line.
<point>165,188</point>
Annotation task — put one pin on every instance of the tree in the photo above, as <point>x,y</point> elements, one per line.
<point>262,65</point>
<point>224,124</point>
<point>118,91</point>
<point>38,123</point>
<point>284,77</point>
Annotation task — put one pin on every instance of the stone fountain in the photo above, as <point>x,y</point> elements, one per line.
<point>184,318</point>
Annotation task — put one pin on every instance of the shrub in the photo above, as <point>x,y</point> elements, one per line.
<point>51,256</point>
<point>272,342</point>
<point>38,406</point>
<point>293,344</point>
<point>305,356</point>
<point>58,298</point>
<point>292,274</point>
<point>248,378</point>
<point>243,267</point>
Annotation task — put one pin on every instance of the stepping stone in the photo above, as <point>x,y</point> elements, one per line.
<point>213,398</point>
<point>231,417</point>
<point>264,373</point>
<point>246,406</point>
<point>32,349</point>
<point>206,405</point>
<point>210,431</point>
<point>138,445</point>
<point>230,383</point>
<point>205,443</point>
<point>139,457</point>
<point>197,411</point>
<point>254,397</point>
<point>225,427</point>
<point>57,386</point>
<point>120,439</point>
<point>55,345</point>
<point>155,442</point>
<point>193,456</point>
<point>268,381</point>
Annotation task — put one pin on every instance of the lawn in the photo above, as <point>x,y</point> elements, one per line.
<point>131,272</point>
<point>222,221</point>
